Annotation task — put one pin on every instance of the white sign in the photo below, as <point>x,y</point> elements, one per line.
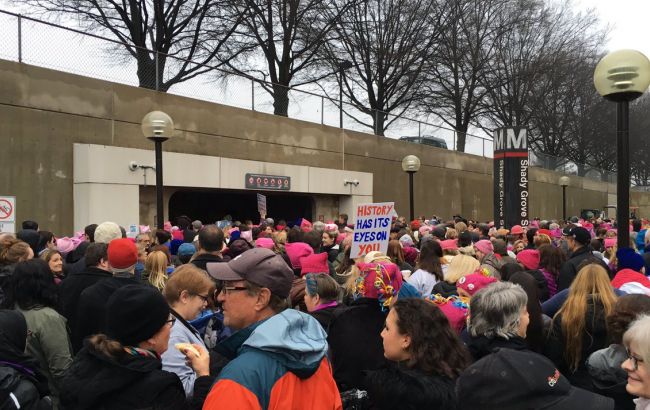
<point>261,204</point>
<point>372,228</point>
<point>7,209</point>
<point>133,231</point>
<point>8,227</point>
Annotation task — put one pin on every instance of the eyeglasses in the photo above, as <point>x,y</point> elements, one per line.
<point>634,360</point>
<point>172,320</point>
<point>205,298</point>
<point>227,290</point>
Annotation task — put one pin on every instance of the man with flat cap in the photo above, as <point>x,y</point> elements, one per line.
<point>278,355</point>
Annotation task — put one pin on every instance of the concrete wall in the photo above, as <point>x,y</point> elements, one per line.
<point>44,112</point>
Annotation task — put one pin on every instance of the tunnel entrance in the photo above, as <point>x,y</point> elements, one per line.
<point>211,205</point>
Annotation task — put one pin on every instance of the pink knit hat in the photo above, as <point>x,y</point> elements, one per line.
<point>529,258</point>
<point>381,280</point>
<point>296,251</point>
<point>449,244</point>
<point>610,242</point>
<point>455,310</point>
<point>314,263</point>
<point>484,246</point>
<point>64,245</point>
<point>305,225</point>
<point>474,282</point>
<point>264,243</point>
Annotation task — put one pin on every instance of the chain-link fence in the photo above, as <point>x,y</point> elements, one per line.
<point>48,45</point>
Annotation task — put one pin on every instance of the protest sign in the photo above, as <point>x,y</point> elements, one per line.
<point>372,228</point>
<point>261,204</point>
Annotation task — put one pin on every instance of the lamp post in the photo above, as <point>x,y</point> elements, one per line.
<point>411,165</point>
<point>158,127</point>
<point>622,76</point>
<point>564,182</point>
<point>343,65</point>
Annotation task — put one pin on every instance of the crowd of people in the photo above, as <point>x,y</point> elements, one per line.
<point>456,314</point>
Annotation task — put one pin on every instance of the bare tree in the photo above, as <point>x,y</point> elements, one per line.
<point>171,40</point>
<point>453,88</point>
<point>283,39</point>
<point>640,141</point>
<point>540,37</point>
<point>388,43</point>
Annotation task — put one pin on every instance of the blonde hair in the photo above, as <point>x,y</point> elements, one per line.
<point>461,265</point>
<point>592,280</point>
<point>541,239</point>
<point>156,266</point>
<point>451,234</point>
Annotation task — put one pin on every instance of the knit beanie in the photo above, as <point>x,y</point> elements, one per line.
<point>314,263</point>
<point>122,254</point>
<point>529,258</point>
<point>474,282</point>
<point>628,259</point>
<point>484,246</point>
<point>107,231</point>
<point>134,313</point>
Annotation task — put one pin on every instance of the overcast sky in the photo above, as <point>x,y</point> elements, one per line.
<point>629,22</point>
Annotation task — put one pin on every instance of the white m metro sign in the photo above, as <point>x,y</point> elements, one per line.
<point>506,139</point>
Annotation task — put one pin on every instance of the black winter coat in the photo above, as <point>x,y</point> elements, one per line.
<point>569,269</point>
<point>98,382</point>
<point>445,289</point>
<point>594,338</point>
<point>201,260</point>
<point>69,292</point>
<point>23,388</point>
<point>355,342</point>
<point>91,311</point>
<point>393,388</point>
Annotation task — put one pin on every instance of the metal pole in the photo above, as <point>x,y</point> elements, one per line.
<point>322,110</point>
<point>419,130</point>
<point>623,177</point>
<point>159,184</point>
<point>411,202</point>
<point>20,39</point>
<point>157,83</point>
<point>564,203</point>
<point>253,95</point>
<point>341,98</point>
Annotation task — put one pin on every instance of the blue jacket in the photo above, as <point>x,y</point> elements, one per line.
<point>277,363</point>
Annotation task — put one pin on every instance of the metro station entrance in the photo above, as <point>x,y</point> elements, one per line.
<point>210,205</point>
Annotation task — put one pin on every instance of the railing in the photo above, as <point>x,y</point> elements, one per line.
<point>32,41</point>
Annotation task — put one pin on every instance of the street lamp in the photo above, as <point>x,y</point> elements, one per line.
<point>564,182</point>
<point>343,65</point>
<point>158,127</point>
<point>411,165</point>
<point>622,76</point>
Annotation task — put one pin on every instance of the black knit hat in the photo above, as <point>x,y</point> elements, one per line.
<point>511,379</point>
<point>134,313</point>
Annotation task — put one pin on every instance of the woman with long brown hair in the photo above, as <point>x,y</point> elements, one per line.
<point>396,255</point>
<point>550,262</point>
<point>429,268</point>
<point>579,327</point>
<point>426,357</point>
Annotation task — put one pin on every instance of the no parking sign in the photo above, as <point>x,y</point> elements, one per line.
<point>8,214</point>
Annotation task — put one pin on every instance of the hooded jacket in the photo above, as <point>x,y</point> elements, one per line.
<point>609,378</point>
<point>492,264</point>
<point>278,363</point>
<point>96,381</point>
<point>22,385</point>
